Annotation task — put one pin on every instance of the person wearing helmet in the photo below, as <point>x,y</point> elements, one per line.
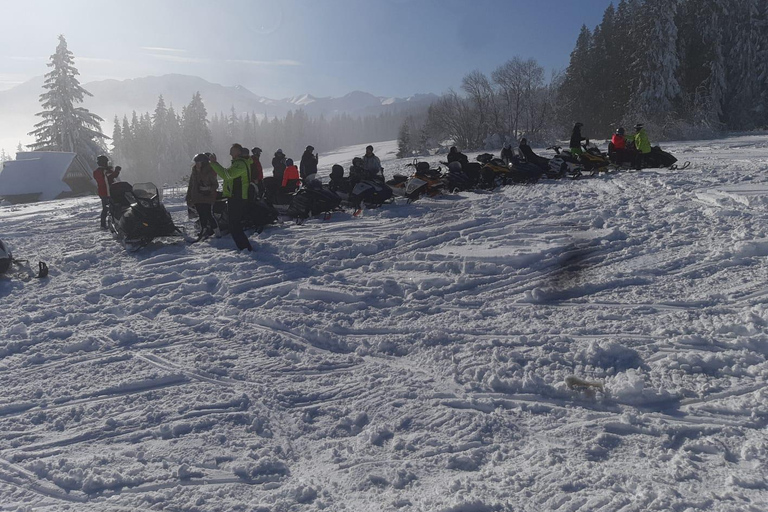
<point>356,171</point>
<point>372,164</point>
<point>201,194</point>
<point>257,172</point>
<point>454,155</point>
<point>618,150</point>
<point>531,157</point>
<point>642,145</point>
<point>236,192</point>
<point>507,153</point>
<point>308,164</point>
<point>104,175</point>
<point>278,165</point>
<point>291,177</point>
<point>6,258</point>
<point>576,138</point>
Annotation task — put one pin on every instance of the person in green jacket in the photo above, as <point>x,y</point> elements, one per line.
<point>642,144</point>
<point>235,190</point>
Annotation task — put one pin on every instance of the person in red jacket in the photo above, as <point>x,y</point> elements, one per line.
<point>257,171</point>
<point>618,150</point>
<point>291,178</point>
<point>104,175</point>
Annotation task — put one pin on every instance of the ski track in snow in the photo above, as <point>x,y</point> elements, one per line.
<point>413,358</point>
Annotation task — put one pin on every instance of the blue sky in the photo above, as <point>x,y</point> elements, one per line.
<point>284,48</point>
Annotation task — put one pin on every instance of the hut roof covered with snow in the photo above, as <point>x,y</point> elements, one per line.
<point>45,175</point>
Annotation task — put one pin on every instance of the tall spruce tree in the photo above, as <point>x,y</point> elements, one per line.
<point>657,62</point>
<point>747,33</point>
<point>577,82</point>
<point>66,127</point>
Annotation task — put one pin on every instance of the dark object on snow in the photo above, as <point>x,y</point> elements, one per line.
<point>7,261</point>
<point>370,193</point>
<point>312,201</point>
<point>659,158</point>
<point>458,179</point>
<point>137,215</point>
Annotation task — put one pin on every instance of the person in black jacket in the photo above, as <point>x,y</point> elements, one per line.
<point>576,139</point>
<point>530,156</point>
<point>278,165</point>
<point>454,155</point>
<point>507,153</point>
<point>308,164</point>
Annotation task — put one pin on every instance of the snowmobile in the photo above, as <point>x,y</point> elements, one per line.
<point>594,160</point>
<point>7,261</point>
<point>312,200</point>
<point>458,179</point>
<point>660,158</point>
<point>564,164</point>
<point>137,216</point>
<point>425,181</point>
<point>258,214</point>
<point>360,189</point>
<point>278,196</point>
<point>496,173</point>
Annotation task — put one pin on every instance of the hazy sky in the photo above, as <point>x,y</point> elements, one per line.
<point>288,47</point>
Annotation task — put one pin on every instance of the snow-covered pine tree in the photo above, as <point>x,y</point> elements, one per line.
<point>66,127</point>
<point>747,36</point>
<point>177,159</point>
<point>404,148</point>
<point>656,62</point>
<point>117,142</point>
<point>577,82</point>
<point>194,126</point>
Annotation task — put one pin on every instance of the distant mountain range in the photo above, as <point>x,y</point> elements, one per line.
<point>121,97</point>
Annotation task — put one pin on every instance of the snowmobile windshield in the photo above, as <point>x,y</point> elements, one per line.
<point>146,195</point>
<point>145,190</point>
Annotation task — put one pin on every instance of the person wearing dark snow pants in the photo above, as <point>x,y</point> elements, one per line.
<point>236,191</point>
<point>104,176</point>
<point>308,163</point>
<point>372,164</point>
<point>539,161</point>
<point>642,144</point>
<point>202,194</point>
<point>576,138</point>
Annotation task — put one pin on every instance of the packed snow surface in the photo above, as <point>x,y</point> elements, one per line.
<point>589,345</point>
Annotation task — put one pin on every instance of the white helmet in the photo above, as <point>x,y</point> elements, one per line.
<point>5,257</point>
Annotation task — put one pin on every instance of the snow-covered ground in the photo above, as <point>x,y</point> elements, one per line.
<point>414,358</point>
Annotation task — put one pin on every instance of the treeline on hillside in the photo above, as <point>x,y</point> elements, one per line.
<point>515,101</point>
<point>160,146</point>
<point>687,67</point>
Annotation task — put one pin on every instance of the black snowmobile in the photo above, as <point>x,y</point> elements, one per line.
<point>496,173</point>
<point>7,262</point>
<point>312,200</point>
<point>258,214</point>
<point>137,216</point>
<point>360,188</point>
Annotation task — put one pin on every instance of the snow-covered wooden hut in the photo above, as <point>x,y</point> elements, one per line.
<point>45,175</point>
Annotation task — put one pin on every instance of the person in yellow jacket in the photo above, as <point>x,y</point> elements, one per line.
<point>235,190</point>
<point>642,144</point>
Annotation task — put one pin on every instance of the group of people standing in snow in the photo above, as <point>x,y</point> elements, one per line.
<point>621,149</point>
<point>242,181</point>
